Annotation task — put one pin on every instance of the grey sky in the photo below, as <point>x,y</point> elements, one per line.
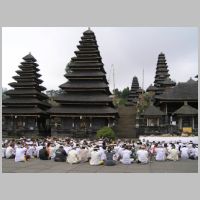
<point>130,49</point>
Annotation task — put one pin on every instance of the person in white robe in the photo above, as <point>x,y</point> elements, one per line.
<point>10,152</point>
<point>160,153</point>
<point>126,156</point>
<point>95,157</point>
<point>72,157</point>
<point>173,154</point>
<point>83,154</point>
<point>184,152</point>
<point>20,154</point>
<point>142,155</point>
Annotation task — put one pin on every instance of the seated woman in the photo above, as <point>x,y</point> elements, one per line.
<point>109,157</point>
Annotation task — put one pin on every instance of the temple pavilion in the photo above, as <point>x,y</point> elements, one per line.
<point>85,105</point>
<point>24,112</point>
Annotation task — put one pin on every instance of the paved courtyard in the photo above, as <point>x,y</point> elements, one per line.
<point>40,166</point>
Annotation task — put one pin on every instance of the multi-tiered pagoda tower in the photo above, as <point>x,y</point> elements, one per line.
<point>162,80</point>
<point>24,112</point>
<point>84,106</point>
<point>134,93</point>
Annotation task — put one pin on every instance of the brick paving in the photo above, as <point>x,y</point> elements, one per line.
<point>49,166</point>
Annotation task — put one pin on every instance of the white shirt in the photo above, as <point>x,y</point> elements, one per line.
<point>184,153</point>
<point>126,157</point>
<point>173,154</point>
<point>160,153</point>
<point>38,148</point>
<point>20,154</point>
<point>9,152</point>
<point>95,158</point>
<point>142,155</point>
<point>72,156</point>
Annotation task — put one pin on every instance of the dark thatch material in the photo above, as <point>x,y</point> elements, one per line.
<point>153,111</point>
<point>186,110</point>
<point>182,91</point>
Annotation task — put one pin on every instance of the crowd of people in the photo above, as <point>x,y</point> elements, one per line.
<point>97,152</point>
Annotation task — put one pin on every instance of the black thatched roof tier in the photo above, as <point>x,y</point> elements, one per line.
<point>87,83</point>
<point>22,111</point>
<point>162,79</point>
<point>153,111</point>
<point>27,90</point>
<point>29,58</point>
<point>85,74</point>
<point>182,91</point>
<point>84,85</point>
<point>77,97</point>
<point>19,101</point>
<point>134,93</point>
<point>151,88</point>
<point>186,110</point>
<point>103,110</point>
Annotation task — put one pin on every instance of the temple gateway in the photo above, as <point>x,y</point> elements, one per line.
<point>85,105</point>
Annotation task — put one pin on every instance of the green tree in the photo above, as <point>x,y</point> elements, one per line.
<point>106,132</point>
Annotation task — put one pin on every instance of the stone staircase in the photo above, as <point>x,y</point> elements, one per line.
<point>126,124</point>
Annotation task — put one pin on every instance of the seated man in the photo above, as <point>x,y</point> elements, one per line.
<point>60,155</point>
<point>20,155</point>
<point>43,154</point>
<point>142,155</point>
<point>173,153</point>
<point>72,157</point>
<point>109,158</point>
<point>10,152</point>
<point>126,156</point>
<point>83,154</point>
<point>96,157</point>
<point>184,152</point>
<point>160,153</point>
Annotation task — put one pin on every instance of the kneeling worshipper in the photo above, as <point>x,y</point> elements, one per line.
<point>60,155</point>
<point>126,156</point>
<point>142,155</point>
<point>173,153</point>
<point>72,157</point>
<point>20,154</point>
<point>160,153</point>
<point>109,161</point>
<point>95,157</point>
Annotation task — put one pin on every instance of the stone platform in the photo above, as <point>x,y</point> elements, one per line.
<point>49,166</point>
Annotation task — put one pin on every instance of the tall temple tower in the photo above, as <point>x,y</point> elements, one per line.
<point>24,112</point>
<point>134,93</point>
<point>85,105</point>
<point>162,80</point>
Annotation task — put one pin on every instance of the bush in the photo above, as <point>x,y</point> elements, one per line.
<point>105,132</point>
